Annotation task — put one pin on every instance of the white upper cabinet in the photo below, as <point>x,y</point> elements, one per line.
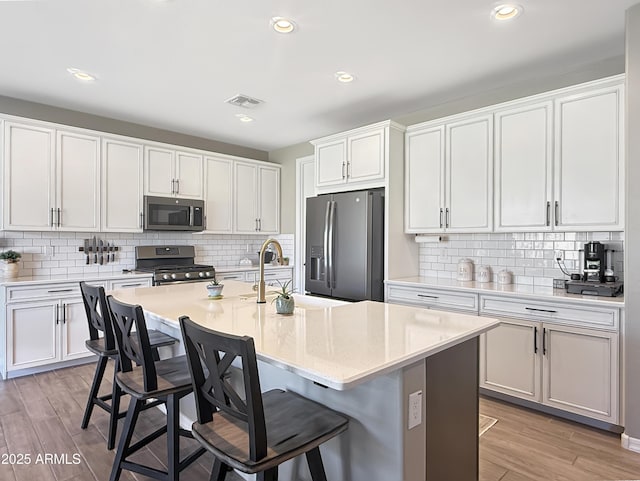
<point>448,176</point>
<point>257,198</point>
<point>589,167</point>
<point>121,186</point>
<point>77,182</point>
<point>524,167</point>
<point>169,172</point>
<point>64,195</point>
<point>357,159</point>
<point>331,163</point>
<point>469,166</point>
<point>424,175</point>
<point>218,195</point>
<point>554,161</point>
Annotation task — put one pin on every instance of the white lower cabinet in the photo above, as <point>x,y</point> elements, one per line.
<point>45,325</point>
<point>45,331</point>
<point>566,367</point>
<point>271,276</point>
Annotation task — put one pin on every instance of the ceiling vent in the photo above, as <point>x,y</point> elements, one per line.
<point>244,101</point>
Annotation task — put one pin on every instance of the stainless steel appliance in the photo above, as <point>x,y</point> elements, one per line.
<point>172,264</point>
<point>169,213</point>
<point>345,245</point>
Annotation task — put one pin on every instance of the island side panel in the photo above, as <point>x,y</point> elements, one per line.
<point>452,413</point>
<point>414,439</point>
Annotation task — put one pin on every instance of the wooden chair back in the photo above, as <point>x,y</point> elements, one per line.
<point>210,354</point>
<point>95,305</point>
<point>133,345</point>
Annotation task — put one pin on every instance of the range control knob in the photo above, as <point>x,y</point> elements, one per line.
<point>208,274</point>
<point>173,276</point>
<point>165,276</point>
<point>201,274</point>
<point>188,275</point>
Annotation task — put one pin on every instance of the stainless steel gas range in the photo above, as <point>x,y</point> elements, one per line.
<point>172,264</point>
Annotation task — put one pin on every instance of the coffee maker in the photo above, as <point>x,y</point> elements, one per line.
<point>595,262</point>
<point>594,280</point>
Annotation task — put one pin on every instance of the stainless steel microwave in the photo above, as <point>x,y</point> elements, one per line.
<point>169,213</point>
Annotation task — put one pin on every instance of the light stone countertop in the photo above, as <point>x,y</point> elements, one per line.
<point>58,278</point>
<point>334,343</point>
<point>515,290</point>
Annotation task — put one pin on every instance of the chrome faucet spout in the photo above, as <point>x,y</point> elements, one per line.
<point>261,286</point>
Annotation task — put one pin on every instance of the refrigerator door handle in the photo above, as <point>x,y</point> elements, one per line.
<point>332,220</point>
<point>327,217</point>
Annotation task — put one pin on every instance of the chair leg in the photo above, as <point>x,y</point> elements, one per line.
<point>314,460</point>
<point>135,406</point>
<point>93,392</point>
<point>173,438</point>
<point>219,471</point>
<point>116,394</point>
<point>268,475</point>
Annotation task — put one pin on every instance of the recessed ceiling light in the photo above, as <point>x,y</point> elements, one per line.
<point>81,75</point>
<point>283,25</point>
<point>506,11</point>
<point>344,77</point>
<point>244,118</point>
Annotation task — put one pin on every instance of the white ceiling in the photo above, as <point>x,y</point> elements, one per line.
<point>171,64</point>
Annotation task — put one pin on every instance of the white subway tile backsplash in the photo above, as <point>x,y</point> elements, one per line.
<point>47,253</point>
<point>530,257</point>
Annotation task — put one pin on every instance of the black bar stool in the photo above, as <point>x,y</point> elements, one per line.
<point>102,342</point>
<point>165,381</point>
<point>258,433</point>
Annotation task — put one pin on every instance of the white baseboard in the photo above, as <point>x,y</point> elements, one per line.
<point>632,444</point>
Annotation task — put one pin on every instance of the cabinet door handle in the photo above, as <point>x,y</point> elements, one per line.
<point>535,339</point>
<point>446,224</point>
<point>177,186</point>
<point>141,220</point>
<point>64,313</point>
<point>556,212</point>
<point>57,313</point>
<point>59,216</point>
<point>548,213</point>
<point>441,218</point>
<point>550,311</point>
<point>54,291</point>
<point>259,224</point>
<point>348,169</point>
<point>343,164</point>
<point>51,218</point>
<point>544,341</point>
<point>256,222</point>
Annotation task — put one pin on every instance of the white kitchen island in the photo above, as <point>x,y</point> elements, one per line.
<point>363,359</point>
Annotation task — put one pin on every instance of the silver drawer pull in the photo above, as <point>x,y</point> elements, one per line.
<point>230,277</point>
<point>429,297</point>
<point>132,285</point>
<point>540,310</point>
<point>54,291</point>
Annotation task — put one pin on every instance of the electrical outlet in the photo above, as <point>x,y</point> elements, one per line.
<point>415,409</point>
<point>559,255</point>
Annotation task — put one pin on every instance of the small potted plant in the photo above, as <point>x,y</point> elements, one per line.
<point>285,303</point>
<point>10,260</point>
<point>215,289</point>
<point>285,261</point>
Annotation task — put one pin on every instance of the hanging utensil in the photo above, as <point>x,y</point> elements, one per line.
<point>86,250</point>
<point>101,252</point>
<point>94,248</point>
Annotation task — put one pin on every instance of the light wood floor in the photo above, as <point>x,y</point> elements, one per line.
<point>41,414</point>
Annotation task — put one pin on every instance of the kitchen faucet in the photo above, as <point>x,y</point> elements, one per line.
<point>261,288</point>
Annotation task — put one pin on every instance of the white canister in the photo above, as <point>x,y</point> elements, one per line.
<point>504,277</point>
<point>484,274</point>
<point>465,270</point>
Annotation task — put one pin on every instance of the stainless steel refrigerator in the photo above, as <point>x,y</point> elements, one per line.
<point>345,245</point>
